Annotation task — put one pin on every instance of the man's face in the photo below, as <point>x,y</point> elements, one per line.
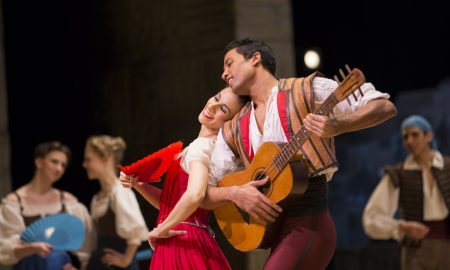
<point>238,72</point>
<point>416,140</point>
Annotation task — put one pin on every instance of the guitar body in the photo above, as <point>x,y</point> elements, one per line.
<point>241,230</point>
<point>288,177</point>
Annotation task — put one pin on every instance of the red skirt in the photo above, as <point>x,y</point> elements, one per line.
<point>197,250</point>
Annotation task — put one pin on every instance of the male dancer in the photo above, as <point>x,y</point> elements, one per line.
<point>276,112</point>
<point>419,188</point>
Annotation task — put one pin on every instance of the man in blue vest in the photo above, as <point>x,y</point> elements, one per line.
<point>420,188</point>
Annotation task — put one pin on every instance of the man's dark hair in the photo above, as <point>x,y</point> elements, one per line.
<point>247,47</point>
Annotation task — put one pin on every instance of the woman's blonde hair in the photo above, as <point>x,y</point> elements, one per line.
<point>105,145</point>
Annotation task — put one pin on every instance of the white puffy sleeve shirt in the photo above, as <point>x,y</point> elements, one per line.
<point>130,223</point>
<point>12,224</point>
<point>378,216</point>
<point>223,158</point>
<point>200,149</point>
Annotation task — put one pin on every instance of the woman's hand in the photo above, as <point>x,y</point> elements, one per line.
<point>158,233</point>
<point>128,181</point>
<point>41,248</point>
<point>69,266</point>
<point>113,257</point>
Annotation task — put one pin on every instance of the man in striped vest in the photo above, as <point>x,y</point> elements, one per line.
<point>278,109</point>
<point>420,188</point>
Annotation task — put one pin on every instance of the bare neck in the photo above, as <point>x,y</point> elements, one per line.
<point>107,180</point>
<point>261,88</point>
<point>39,185</point>
<point>425,158</point>
<point>206,132</point>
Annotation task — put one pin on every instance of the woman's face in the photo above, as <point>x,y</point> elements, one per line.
<point>220,108</point>
<point>52,166</point>
<point>93,163</point>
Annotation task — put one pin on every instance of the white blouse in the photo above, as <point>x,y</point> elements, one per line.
<point>223,158</point>
<point>200,149</point>
<point>130,223</point>
<point>12,224</point>
<point>378,216</point>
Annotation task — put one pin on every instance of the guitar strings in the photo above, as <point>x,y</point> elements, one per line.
<point>280,161</point>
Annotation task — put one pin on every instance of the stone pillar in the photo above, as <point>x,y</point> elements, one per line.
<point>5,174</point>
<point>5,171</point>
<point>270,21</point>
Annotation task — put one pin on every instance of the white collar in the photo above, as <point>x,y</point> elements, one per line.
<point>437,162</point>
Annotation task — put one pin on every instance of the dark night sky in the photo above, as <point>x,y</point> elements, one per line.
<point>48,59</point>
<point>398,47</point>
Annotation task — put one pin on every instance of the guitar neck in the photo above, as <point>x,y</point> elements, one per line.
<point>302,135</point>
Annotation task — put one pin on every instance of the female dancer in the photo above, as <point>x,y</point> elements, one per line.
<point>117,217</point>
<point>35,200</point>
<point>183,237</point>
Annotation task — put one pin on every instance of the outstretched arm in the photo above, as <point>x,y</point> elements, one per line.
<point>373,113</point>
<point>247,197</point>
<point>217,196</point>
<point>150,193</point>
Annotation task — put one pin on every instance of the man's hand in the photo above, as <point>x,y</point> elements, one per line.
<point>413,229</point>
<point>248,198</point>
<point>322,126</point>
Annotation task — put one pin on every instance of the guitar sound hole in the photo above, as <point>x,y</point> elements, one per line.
<point>260,176</point>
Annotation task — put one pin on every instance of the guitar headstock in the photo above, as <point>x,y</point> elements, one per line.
<point>349,84</point>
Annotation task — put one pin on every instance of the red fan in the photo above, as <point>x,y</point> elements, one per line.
<point>153,166</point>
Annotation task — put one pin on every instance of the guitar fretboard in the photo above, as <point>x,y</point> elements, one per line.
<point>294,144</point>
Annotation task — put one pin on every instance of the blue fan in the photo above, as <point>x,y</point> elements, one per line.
<point>143,255</point>
<point>63,231</point>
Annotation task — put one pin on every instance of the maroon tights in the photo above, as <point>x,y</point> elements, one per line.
<point>306,242</point>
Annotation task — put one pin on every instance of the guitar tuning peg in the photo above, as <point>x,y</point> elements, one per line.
<point>354,96</point>
<point>348,100</point>
<point>347,68</point>
<point>336,79</point>
<point>342,73</point>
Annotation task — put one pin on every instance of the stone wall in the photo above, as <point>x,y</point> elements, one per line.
<point>5,174</point>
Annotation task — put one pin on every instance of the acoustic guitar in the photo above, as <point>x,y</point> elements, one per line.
<point>288,176</point>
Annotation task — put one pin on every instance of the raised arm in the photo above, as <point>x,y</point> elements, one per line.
<point>371,114</point>
<point>150,193</point>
